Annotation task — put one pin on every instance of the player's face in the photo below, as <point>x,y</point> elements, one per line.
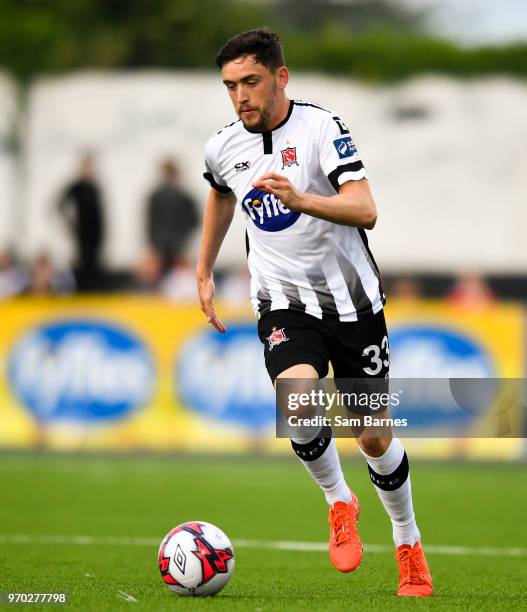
<point>255,91</point>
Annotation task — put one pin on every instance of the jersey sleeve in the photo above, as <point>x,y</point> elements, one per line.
<point>212,174</point>
<point>339,158</point>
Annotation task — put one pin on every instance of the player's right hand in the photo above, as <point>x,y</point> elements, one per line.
<point>206,296</point>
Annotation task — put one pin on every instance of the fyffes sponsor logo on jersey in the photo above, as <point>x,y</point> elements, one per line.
<point>435,355</point>
<point>80,371</point>
<point>267,211</point>
<point>222,376</point>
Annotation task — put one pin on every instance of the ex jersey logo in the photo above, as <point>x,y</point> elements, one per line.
<point>289,157</point>
<point>241,166</point>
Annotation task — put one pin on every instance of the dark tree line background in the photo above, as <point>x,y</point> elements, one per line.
<point>369,39</point>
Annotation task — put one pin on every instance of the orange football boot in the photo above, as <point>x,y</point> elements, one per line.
<point>345,549</point>
<point>414,575</point>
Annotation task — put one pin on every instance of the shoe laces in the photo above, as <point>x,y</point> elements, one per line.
<point>409,566</point>
<point>342,522</point>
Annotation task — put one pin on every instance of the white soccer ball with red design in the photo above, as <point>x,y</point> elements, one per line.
<point>196,558</point>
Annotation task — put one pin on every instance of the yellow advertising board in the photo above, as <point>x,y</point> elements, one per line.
<point>141,373</point>
<point>447,340</point>
<point>101,373</point>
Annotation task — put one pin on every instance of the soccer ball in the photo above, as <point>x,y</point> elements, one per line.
<point>196,558</point>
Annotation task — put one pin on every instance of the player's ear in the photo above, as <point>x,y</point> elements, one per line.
<point>282,77</point>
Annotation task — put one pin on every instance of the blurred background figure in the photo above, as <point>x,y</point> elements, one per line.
<point>147,273</point>
<point>471,291</point>
<point>235,287</point>
<point>13,279</point>
<point>172,217</point>
<point>81,205</point>
<point>405,289</point>
<point>46,279</point>
<point>179,285</point>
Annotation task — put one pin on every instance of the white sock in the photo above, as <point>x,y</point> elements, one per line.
<point>326,471</point>
<point>397,503</point>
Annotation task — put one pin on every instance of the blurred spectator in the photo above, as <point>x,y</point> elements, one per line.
<point>45,279</point>
<point>179,285</point>
<point>81,206</point>
<point>171,217</point>
<point>405,289</point>
<point>147,273</point>
<point>235,287</point>
<point>13,279</point>
<point>471,291</point>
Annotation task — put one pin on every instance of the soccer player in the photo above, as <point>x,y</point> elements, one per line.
<point>293,169</point>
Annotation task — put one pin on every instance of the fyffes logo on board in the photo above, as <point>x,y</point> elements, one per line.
<point>426,352</point>
<point>267,211</point>
<point>80,370</point>
<point>222,376</point>
<point>431,351</point>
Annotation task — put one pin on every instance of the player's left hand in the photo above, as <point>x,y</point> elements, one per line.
<point>281,187</point>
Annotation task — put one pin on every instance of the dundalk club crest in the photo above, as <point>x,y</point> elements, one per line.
<point>289,157</point>
<point>277,337</point>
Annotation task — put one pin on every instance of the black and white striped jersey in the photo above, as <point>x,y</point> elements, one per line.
<point>297,261</point>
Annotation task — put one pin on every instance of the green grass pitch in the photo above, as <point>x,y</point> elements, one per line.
<point>256,498</point>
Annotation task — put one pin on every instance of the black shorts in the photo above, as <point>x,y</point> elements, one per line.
<point>358,349</point>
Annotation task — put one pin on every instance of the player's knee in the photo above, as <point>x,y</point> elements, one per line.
<point>296,389</point>
<point>374,443</point>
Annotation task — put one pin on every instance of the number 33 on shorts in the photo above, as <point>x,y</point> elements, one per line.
<point>379,356</point>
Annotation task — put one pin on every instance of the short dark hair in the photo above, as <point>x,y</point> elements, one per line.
<point>263,43</point>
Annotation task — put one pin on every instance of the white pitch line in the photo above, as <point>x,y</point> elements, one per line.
<point>480,551</point>
<point>127,597</point>
<point>483,551</point>
<point>78,539</point>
